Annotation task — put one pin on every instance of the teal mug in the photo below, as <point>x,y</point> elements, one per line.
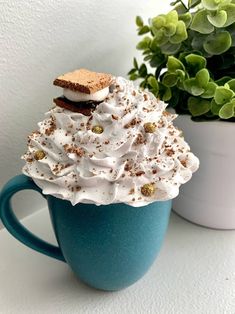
<point>109,247</point>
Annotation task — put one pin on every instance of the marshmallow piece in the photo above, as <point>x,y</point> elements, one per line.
<point>78,96</point>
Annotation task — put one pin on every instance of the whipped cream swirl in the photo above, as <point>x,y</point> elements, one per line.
<point>66,158</point>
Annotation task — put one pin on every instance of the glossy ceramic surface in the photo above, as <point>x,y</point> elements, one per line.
<point>108,247</point>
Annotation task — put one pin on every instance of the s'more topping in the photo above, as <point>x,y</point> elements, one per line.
<point>82,86</point>
<point>125,149</point>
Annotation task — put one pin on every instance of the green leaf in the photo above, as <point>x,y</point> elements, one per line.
<point>155,46</point>
<point>230,10</point>
<point>143,70</point>
<point>167,94</point>
<point>170,49</point>
<point>174,64</point>
<point>180,33</point>
<point>157,60</point>
<point>197,90</point>
<point>192,87</point>
<point>218,19</point>
<point>202,78</point>
<point>186,18</point>
<point>147,57</point>
<point>139,21</point>
<point>180,85</point>
<point>231,84</point>
<point>143,84</point>
<point>215,108</point>
<point>153,83</point>
<point>180,74</point>
<point>217,43</point>
<point>223,95</point>
<point>143,30</point>
<point>135,63</point>
<point>227,111</point>
<point>231,30</point>
<point>170,79</point>
<point>170,29</point>
<point>159,21</point>
<point>198,106</point>
<point>210,90</point>
<point>160,37</point>
<point>201,24</point>
<point>198,40</point>
<point>146,51</point>
<point>134,77</point>
<point>132,71</point>
<point>144,43</point>
<point>195,62</point>
<point>172,17</point>
<point>210,4</point>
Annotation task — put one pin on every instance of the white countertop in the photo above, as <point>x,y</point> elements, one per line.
<point>194,273</point>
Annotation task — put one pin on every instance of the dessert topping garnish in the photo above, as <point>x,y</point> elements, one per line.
<point>149,127</point>
<point>148,189</point>
<point>39,154</point>
<point>98,129</point>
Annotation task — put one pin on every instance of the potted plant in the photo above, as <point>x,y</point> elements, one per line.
<point>189,62</point>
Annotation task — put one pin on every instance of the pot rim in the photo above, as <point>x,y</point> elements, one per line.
<point>219,123</point>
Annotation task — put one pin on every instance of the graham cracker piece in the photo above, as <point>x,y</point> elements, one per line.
<point>84,81</point>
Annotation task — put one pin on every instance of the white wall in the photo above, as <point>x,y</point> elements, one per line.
<point>44,38</point>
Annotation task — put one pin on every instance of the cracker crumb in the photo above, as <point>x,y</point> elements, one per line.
<point>73,149</point>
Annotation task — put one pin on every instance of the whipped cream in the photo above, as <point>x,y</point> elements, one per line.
<point>78,96</point>
<point>128,142</point>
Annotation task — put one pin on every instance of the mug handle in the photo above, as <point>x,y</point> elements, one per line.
<point>12,224</point>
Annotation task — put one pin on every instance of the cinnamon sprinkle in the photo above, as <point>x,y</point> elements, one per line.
<point>52,126</point>
<point>184,163</point>
<point>139,139</point>
<point>132,123</point>
<point>169,152</point>
<point>166,113</point>
<point>139,173</point>
<point>127,167</point>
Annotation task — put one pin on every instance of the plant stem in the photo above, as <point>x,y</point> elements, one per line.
<point>183,5</point>
<point>159,69</point>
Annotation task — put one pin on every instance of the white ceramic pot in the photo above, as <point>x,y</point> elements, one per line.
<point>209,198</point>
